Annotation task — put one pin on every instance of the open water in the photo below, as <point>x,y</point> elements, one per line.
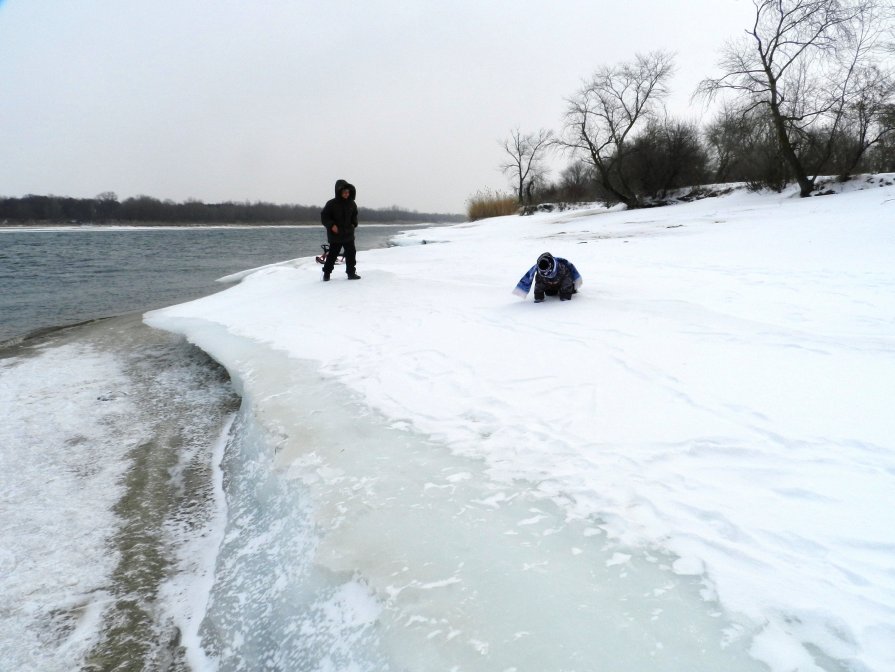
<point>62,276</point>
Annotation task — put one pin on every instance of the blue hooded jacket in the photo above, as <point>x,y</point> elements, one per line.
<point>552,273</point>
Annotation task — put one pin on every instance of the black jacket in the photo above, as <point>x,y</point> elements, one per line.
<point>342,213</point>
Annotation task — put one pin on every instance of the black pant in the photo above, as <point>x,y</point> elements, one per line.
<point>564,286</point>
<point>350,256</point>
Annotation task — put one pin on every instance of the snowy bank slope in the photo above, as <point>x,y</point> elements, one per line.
<point>721,387</point>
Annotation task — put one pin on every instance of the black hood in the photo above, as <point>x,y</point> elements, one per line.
<point>343,184</point>
<point>547,265</point>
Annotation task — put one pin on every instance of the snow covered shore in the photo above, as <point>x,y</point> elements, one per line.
<point>108,505</point>
<point>719,390</point>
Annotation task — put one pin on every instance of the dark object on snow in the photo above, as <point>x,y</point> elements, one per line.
<point>339,218</point>
<point>321,258</point>
<point>551,276</point>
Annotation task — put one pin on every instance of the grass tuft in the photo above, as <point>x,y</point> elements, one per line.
<point>487,203</point>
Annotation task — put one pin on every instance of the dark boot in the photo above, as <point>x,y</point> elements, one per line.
<point>353,276</point>
<point>325,276</point>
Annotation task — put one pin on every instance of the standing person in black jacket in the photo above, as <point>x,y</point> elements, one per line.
<point>339,217</point>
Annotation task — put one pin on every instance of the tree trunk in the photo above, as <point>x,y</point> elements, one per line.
<point>806,184</point>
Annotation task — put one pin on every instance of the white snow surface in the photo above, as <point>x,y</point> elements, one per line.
<point>60,477</point>
<point>720,388</point>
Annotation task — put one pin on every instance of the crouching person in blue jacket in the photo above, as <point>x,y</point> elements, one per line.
<point>551,276</point>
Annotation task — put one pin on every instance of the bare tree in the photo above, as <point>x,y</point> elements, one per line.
<point>881,157</point>
<point>105,206</point>
<point>603,115</point>
<point>867,119</point>
<point>577,181</point>
<point>743,147</point>
<point>524,166</point>
<point>725,137</point>
<point>801,63</point>
<point>669,154</point>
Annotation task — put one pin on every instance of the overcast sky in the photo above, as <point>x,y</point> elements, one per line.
<point>274,100</point>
